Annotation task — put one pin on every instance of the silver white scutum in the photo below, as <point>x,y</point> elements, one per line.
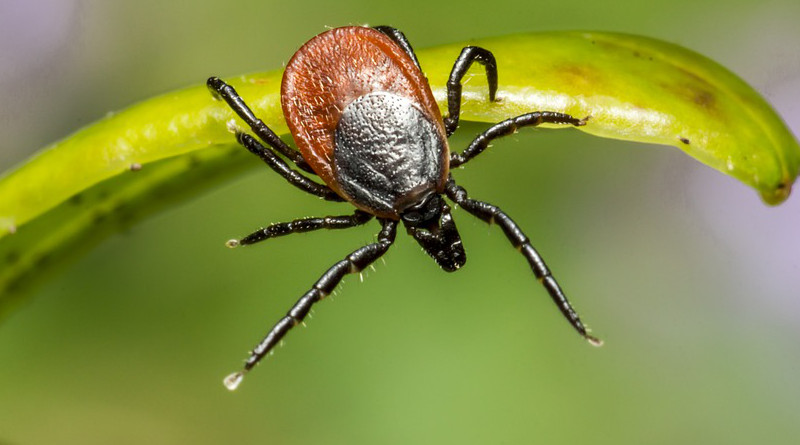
<point>388,154</point>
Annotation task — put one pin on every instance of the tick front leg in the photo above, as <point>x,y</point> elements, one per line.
<point>353,263</point>
<point>492,214</point>
<point>279,166</point>
<point>468,56</point>
<point>400,39</point>
<point>303,225</point>
<point>222,90</point>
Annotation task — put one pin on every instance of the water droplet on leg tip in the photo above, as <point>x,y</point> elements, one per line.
<point>232,381</point>
<point>232,243</point>
<point>594,341</point>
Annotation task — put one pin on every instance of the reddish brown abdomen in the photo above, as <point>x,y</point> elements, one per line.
<point>331,71</point>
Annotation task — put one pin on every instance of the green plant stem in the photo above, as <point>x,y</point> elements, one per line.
<point>135,162</point>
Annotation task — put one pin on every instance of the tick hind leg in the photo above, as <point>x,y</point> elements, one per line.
<point>303,225</point>
<point>492,214</point>
<point>353,263</point>
<point>222,90</point>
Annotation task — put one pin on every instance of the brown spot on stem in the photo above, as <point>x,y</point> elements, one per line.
<point>76,199</point>
<point>41,261</point>
<point>580,76</point>
<point>695,93</point>
<point>99,217</point>
<point>704,98</point>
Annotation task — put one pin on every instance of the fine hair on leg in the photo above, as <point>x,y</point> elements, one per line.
<point>492,214</point>
<point>353,263</point>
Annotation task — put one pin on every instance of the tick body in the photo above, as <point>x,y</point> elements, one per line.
<point>365,122</point>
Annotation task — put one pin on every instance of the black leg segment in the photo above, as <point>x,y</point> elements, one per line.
<point>222,90</point>
<point>400,39</point>
<point>491,214</point>
<point>468,56</point>
<point>283,169</point>
<point>353,263</point>
<point>303,225</point>
<point>510,126</point>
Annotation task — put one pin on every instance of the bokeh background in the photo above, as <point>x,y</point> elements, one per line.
<point>693,283</point>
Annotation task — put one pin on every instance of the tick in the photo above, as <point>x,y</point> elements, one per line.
<point>365,123</point>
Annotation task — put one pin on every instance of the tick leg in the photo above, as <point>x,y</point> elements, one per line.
<point>353,263</point>
<point>400,39</point>
<point>468,56</point>
<point>491,214</point>
<point>510,126</point>
<point>276,163</point>
<point>304,225</point>
<point>222,90</point>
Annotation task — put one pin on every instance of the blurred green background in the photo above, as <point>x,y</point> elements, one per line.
<point>692,282</point>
